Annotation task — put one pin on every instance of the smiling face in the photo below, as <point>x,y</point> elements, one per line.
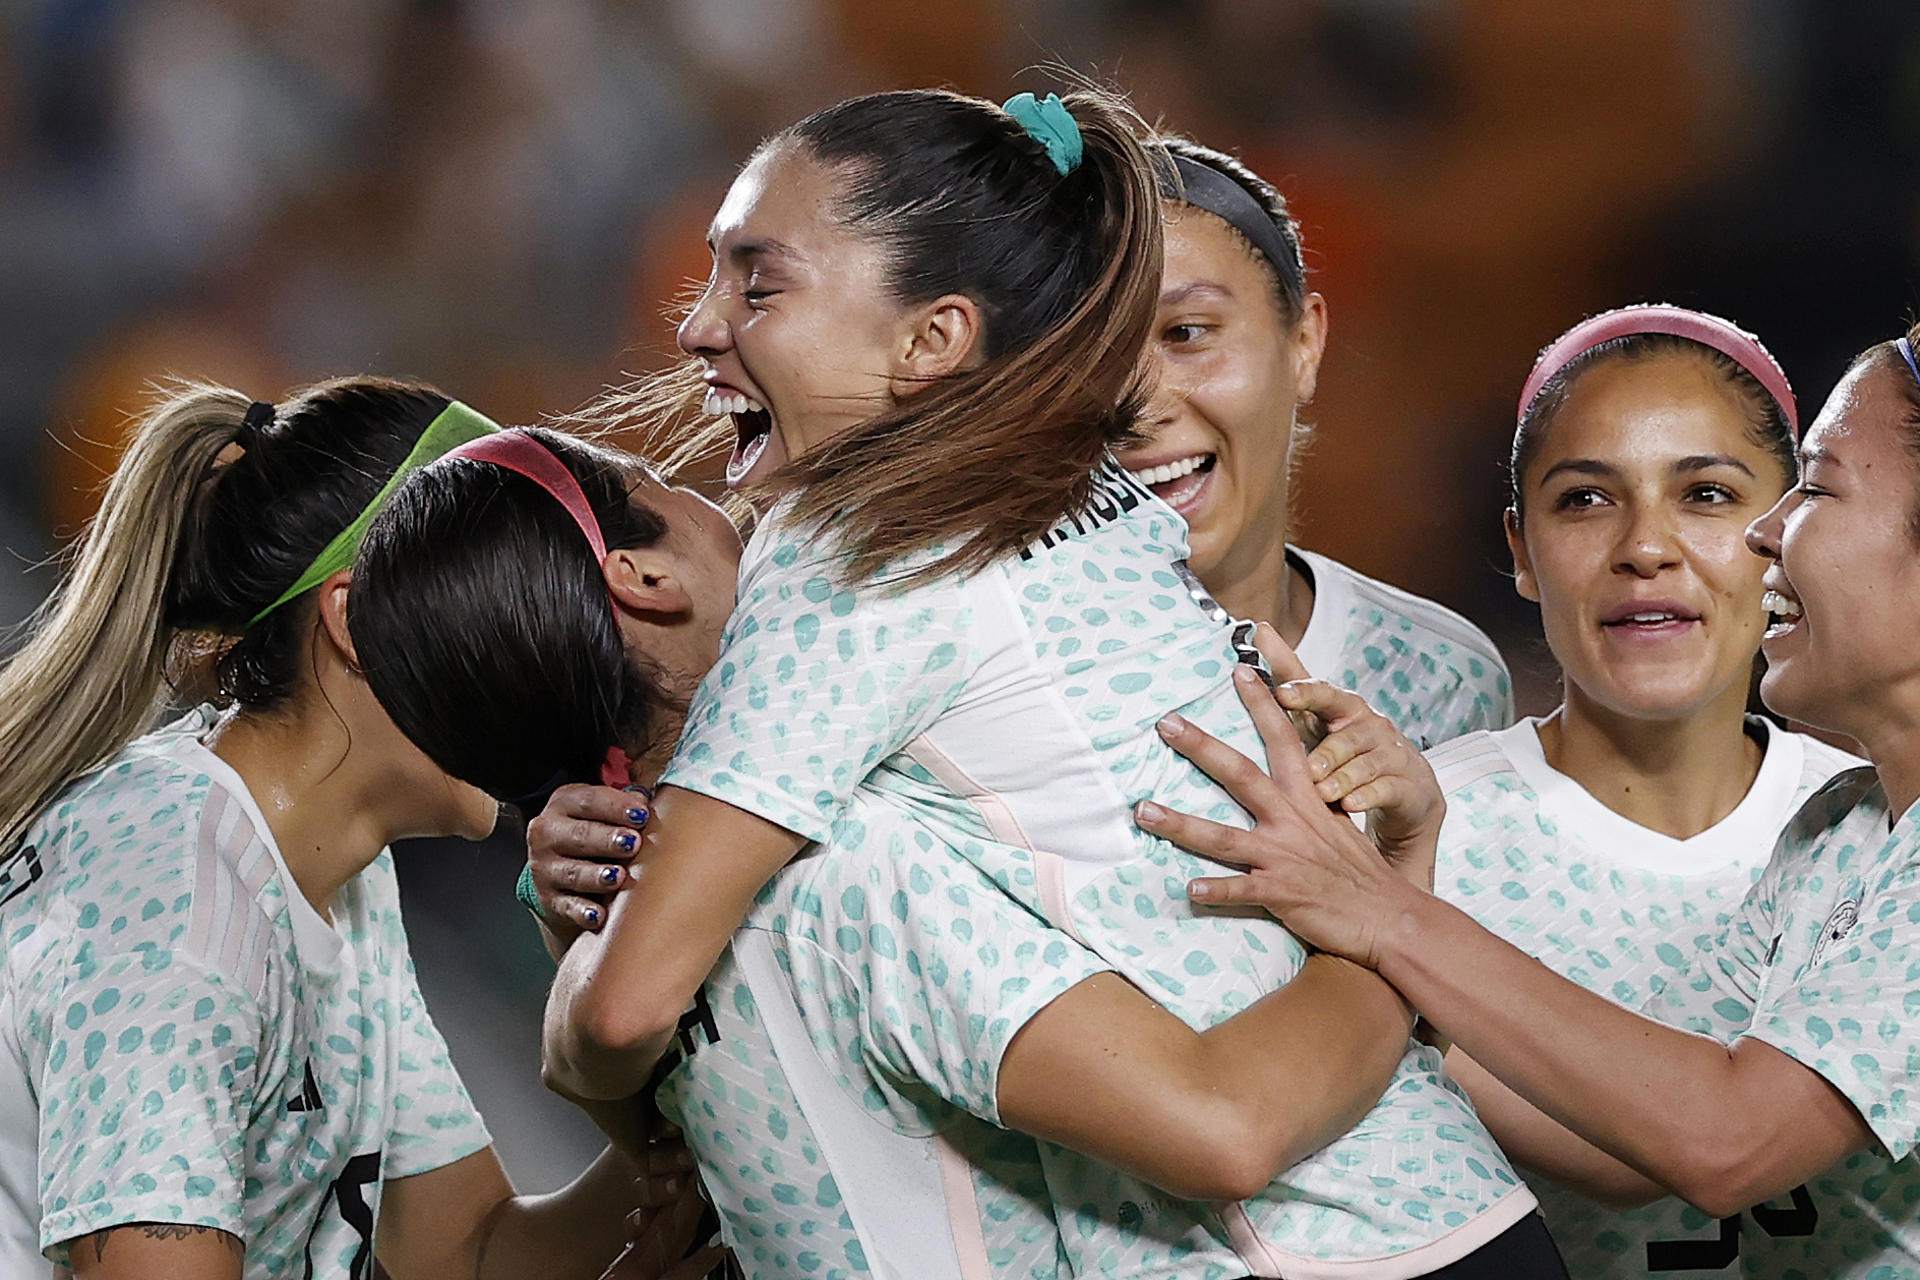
<point>1846,571</point>
<point>1233,370</point>
<point>797,327</point>
<point>1632,541</point>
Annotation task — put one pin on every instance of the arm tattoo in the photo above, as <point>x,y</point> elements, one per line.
<point>164,1231</point>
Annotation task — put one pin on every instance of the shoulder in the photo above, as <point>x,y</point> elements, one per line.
<point>1821,763</point>
<point>1400,610</point>
<point>1461,762</point>
<point>1851,794</point>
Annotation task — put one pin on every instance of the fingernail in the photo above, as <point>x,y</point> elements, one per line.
<point>1148,811</point>
<point>627,840</point>
<point>593,917</point>
<point>636,815</point>
<point>609,875</point>
<point>1171,723</point>
<point>1199,889</point>
<point>1246,674</point>
<point>1326,788</point>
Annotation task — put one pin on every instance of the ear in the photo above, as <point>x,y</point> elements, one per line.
<point>1308,344</point>
<point>942,337</point>
<point>646,581</point>
<point>1523,580</point>
<point>333,615</point>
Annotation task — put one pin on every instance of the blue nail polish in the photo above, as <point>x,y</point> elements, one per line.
<point>627,841</point>
<point>636,815</point>
<point>593,916</point>
<point>609,875</point>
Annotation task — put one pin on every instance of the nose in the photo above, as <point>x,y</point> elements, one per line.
<point>1763,535</point>
<point>704,331</point>
<point>1650,542</point>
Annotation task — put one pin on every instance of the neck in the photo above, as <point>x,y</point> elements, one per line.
<point>1893,745</point>
<point>1255,582</point>
<point>1678,777</point>
<point>332,796</point>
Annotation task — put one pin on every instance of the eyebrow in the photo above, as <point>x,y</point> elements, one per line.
<point>1196,290</point>
<point>1679,466</point>
<point>751,250</point>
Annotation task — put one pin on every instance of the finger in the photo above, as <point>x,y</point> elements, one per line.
<point>1352,775</point>
<point>1212,840</point>
<point>1349,743</point>
<point>610,805</point>
<point>1286,755</point>
<point>1244,780</point>
<point>1386,793</point>
<point>579,875</point>
<point>582,913</point>
<point>1285,662</point>
<point>1225,891</point>
<point>1330,702</point>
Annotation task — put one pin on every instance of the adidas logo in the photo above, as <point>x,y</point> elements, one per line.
<point>309,1099</point>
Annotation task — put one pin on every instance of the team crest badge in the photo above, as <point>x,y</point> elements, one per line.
<point>1837,927</point>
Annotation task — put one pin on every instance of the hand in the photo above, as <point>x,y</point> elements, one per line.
<point>1366,765</point>
<point>1308,866</point>
<point>580,846</point>
<point>662,1232</point>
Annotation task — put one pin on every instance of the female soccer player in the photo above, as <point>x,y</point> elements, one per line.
<point>1795,1069</point>
<point>1236,347</point>
<point>214,1060</point>
<point>960,607</point>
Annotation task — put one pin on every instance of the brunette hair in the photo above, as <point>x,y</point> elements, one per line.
<point>1289,277</point>
<point>1065,269</point>
<point>190,542</point>
<point>1767,424</point>
<point>1888,355</point>
<point>481,618</point>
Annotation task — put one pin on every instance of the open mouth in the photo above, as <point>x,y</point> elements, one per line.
<point>1783,613</point>
<point>1650,621</point>
<point>752,427</point>
<point>1178,483</point>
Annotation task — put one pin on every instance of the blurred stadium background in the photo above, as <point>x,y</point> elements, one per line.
<point>504,198</point>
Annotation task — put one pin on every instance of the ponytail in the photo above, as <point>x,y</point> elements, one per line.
<point>188,546</point>
<point>93,674</point>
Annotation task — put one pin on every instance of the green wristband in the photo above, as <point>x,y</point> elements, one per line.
<point>526,894</point>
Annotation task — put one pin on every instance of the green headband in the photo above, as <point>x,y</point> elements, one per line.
<point>455,425</point>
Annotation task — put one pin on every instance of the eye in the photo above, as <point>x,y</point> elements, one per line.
<point>1710,493</point>
<point>1185,334</point>
<point>755,297</point>
<point>1579,499</point>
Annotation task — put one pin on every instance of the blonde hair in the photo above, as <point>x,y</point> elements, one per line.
<point>92,675</point>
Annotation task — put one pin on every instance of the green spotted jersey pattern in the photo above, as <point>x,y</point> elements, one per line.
<point>1011,712</point>
<point>1822,961</point>
<point>1615,907</point>
<point>192,1042</point>
<point>1418,663</point>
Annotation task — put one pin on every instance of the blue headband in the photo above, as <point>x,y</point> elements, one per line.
<point>1906,351</point>
<point>1049,123</point>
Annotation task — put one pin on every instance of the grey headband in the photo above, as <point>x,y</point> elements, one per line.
<point>1205,187</point>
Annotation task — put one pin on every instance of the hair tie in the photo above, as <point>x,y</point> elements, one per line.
<point>1724,336</point>
<point>1049,123</point>
<point>259,417</point>
<point>451,426</point>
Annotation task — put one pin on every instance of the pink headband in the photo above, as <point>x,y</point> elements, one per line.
<point>1658,317</point>
<point>521,453</point>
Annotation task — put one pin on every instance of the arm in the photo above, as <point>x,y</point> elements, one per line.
<point>1723,1128</point>
<point>617,999</point>
<point>154,1251</point>
<point>1213,1115</point>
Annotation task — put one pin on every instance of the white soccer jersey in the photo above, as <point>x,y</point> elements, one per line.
<point>1420,664</point>
<point>184,1039</point>
<point>839,1071</point>
<point>1822,961</point>
<point>1618,908</point>
<point>1011,711</point>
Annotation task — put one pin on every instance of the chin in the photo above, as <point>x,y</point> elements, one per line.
<point>1790,699</point>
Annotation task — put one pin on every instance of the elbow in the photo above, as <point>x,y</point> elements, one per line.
<point>620,1024</point>
<point>1229,1158</point>
<point>1720,1180</point>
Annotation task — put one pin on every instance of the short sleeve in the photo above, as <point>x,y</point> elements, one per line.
<point>145,1067</point>
<point>1715,990</point>
<point>817,683</point>
<point>434,1119</point>
<point>939,966</point>
<point>1849,1015</point>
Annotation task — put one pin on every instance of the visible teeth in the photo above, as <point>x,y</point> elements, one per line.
<point>1171,470</point>
<point>1780,606</point>
<point>1650,617</point>
<point>717,404</point>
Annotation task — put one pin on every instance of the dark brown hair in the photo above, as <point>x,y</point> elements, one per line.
<point>1065,269</point>
<point>1888,355</point>
<point>1289,276</point>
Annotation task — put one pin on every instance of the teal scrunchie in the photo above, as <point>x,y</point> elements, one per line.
<point>1050,124</point>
